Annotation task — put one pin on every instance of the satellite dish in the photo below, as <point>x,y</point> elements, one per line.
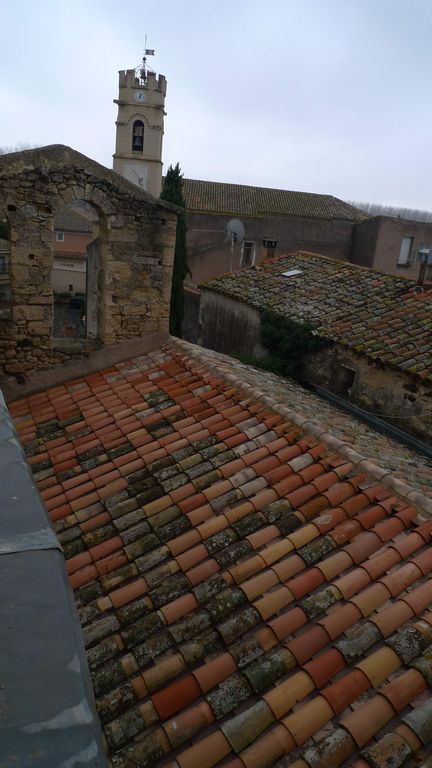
<point>235,232</point>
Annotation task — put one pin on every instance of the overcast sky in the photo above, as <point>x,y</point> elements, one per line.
<point>328,96</point>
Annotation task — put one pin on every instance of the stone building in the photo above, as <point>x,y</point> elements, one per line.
<point>139,128</point>
<point>274,221</point>
<point>129,264</point>
<point>378,330</point>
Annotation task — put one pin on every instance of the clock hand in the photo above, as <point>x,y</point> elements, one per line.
<point>140,178</point>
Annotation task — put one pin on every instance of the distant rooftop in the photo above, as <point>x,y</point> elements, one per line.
<point>369,311</point>
<point>68,220</point>
<point>242,200</point>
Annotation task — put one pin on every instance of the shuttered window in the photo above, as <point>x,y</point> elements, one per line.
<point>405,255</point>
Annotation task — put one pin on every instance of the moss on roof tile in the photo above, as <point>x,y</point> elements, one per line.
<point>373,313</point>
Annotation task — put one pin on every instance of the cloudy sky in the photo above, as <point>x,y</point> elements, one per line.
<point>328,96</point>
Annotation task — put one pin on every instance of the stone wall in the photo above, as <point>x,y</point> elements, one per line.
<point>400,398</point>
<point>223,324</point>
<point>135,256</point>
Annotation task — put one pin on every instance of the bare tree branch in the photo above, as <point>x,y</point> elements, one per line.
<point>376,209</point>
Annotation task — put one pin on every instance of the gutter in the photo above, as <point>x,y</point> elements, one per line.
<point>383,426</point>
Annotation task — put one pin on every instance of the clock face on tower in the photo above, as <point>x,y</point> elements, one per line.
<point>137,174</point>
<point>139,96</point>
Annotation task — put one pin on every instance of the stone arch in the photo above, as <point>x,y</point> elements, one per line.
<point>136,248</point>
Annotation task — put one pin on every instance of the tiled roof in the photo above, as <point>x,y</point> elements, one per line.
<point>67,220</point>
<point>242,200</point>
<point>249,586</point>
<point>387,452</point>
<point>373,313</point>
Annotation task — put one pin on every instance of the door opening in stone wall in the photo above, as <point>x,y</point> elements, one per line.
<point>75,268</point>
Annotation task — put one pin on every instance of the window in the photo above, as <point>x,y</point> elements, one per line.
<point>138,136</point>
<point>70,288</point>
<point>405,255</point>
<point>269,248</point>
<point>248,254</point>
<point>3,263</point>
<point>60,237</point>
<point>342,380</point>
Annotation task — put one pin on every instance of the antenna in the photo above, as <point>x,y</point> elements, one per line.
<point>235,232</point>
<point>234,236</point>
<point>424,256</point>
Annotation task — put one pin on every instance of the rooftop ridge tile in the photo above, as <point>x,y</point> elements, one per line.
<point>359,460</point>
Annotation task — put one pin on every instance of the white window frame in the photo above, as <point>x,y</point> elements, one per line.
<point>406,251</point>
<point>60,237</point>
<point>253,252</point>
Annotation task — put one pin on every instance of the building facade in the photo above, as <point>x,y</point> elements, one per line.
<point>392,245</point>
<point>275,222</point>
<point>230,226</point>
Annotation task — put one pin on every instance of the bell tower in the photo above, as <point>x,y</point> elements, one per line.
<point>139,127</point>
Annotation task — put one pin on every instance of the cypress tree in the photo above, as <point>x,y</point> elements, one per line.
<point>172,192</point>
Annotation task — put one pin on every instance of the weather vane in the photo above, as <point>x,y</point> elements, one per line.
<point>144,68</point>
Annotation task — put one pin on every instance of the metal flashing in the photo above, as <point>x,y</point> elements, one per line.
<point>24,542</point>
<point>47,710</point>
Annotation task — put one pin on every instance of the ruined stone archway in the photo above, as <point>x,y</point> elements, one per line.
<point>136,248</point>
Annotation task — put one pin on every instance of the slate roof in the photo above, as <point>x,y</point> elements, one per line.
<point>67,220</point>
<point>250,588</point>
<point>242,200</point>
<point>366,310</point>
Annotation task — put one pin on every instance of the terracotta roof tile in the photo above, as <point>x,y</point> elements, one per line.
<point>244,595</point>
